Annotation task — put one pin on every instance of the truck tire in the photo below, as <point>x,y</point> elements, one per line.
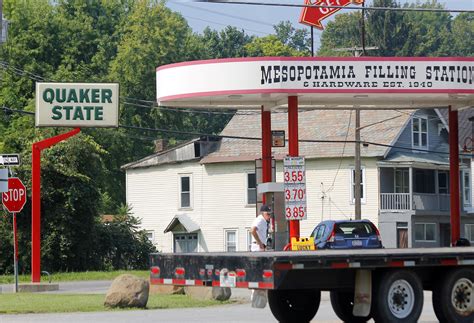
<point>294,305</point>
<point>342,303</point>
<point>453,297</point>
<point>398,297</point>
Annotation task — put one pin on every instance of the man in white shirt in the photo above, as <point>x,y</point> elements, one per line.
<point>259,229</point>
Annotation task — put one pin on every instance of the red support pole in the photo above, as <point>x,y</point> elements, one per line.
<point>36,214</point>
<point>293,150</point>
<point>454,176</point>
<point>266,147</point>
<point>36,149</point>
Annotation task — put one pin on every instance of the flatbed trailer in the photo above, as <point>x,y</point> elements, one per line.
<point>384,284</point>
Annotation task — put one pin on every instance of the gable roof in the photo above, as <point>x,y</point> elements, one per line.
<point>380,126</point>
<point>179,153</point>
<point>465,127</point>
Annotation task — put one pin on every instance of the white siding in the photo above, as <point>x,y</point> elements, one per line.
<point>219,198</point>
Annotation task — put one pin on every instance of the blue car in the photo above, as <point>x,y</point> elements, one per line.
<point>346,234</point>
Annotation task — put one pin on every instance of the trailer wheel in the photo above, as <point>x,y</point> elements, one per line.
<point>453,297</point>
<point>398,297</point>
<point>294,305</point>
<point>342,303</point>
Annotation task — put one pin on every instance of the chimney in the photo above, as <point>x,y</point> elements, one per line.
<point>160,145</point>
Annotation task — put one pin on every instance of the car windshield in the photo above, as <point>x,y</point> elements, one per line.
<point>349,228</point>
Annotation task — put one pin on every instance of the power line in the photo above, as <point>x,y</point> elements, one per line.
<point>334,7</point>
<point>224,14</point>
<point>200,134</point>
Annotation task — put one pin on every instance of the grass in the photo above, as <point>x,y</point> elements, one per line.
<point>79,276</point>
<point>23,303</point>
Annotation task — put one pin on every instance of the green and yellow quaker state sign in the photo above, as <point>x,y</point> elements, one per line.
<point>77,104</point>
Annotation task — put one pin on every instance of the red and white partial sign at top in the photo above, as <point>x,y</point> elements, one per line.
<point>295,188</point>
<point>14,200</point>
<point>314,16</point>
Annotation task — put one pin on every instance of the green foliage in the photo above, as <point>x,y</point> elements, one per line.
<point>397,33</point>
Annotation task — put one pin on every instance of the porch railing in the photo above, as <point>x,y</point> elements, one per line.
<point>395,201</point>
<point>421,201</point>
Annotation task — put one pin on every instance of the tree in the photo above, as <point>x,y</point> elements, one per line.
<point>229,42</point>
<point>462,35</point>
<point>270,46</point>
<point>297,39</point>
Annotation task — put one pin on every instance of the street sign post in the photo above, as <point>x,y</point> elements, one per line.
<point>14,200</point>
<point>10,159</point>
<point>295,188</point>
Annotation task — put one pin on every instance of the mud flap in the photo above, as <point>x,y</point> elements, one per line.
<point>363,293</point>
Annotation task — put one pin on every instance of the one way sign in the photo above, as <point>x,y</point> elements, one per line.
<point>10,160</point>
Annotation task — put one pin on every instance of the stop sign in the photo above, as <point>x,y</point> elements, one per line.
<point>15,198</point>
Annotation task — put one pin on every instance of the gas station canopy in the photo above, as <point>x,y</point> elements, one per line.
<point>318,82</point>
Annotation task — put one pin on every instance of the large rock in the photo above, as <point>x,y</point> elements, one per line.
<point>208,293</point>
<point>221,293</point>
<point>166,290</point>
<point>127,291</point>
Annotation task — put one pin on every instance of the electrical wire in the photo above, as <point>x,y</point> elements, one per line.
<point>200,134</point>
<point>231,2</point>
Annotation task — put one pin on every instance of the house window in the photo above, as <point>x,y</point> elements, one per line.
<point>249,240</point>
<point>443,182</point>
<point>466,187</point>
<point>470,232</point>
<point>425,232</point>
<point>362,185</point>
<point>424,181</point>
<point>251,188</point>
<point>420,133</point>
<point>185,242</point>
<point>230,240</point>
<point>402,180</point>
<point>185,191</point>
<point>150,234</point>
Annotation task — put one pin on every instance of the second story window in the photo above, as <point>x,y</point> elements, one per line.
<point>185,191</point>
<point>420,133</point>
<point>251,188</point>
<point>362,185</point>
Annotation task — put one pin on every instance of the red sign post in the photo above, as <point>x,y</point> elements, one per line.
<point>14,200</point>
<point>314,16</point>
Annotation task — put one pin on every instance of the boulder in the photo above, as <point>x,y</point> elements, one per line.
<point>127,291</point>
<point>221,293</point>
<point>166,290</point>
<point>208,293</point>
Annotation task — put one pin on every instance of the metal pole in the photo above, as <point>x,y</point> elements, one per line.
<point>15,252</point>
<point>312,41</point>
<point>266,148</point>
<point>357,171</point>
<point>1,20</point>
<point>36,149</point>
<point>293,150</point>
<point>454,175</point>
<point>36,214</point>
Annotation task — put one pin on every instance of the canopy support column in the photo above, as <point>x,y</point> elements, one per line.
<point>293,150</point>
<point>454,175</point>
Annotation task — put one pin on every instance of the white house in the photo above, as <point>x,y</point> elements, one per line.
<point>200,196</point>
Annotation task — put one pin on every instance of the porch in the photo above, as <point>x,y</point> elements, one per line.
<point>411,189</point>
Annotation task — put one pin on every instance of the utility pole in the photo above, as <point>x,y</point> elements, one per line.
<point>357,170</point>
<point>1,21</point>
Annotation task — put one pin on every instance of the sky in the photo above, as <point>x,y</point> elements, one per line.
<point>259,20</point>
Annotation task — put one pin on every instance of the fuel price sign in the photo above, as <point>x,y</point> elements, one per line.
<point>295,188</point>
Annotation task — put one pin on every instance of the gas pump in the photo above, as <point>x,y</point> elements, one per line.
<point>278,230</point>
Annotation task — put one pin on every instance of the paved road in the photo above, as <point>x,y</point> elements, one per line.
<point>226,313</point>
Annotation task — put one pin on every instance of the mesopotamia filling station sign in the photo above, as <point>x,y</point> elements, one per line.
<point>77,104</point>
<point>369,75</point>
